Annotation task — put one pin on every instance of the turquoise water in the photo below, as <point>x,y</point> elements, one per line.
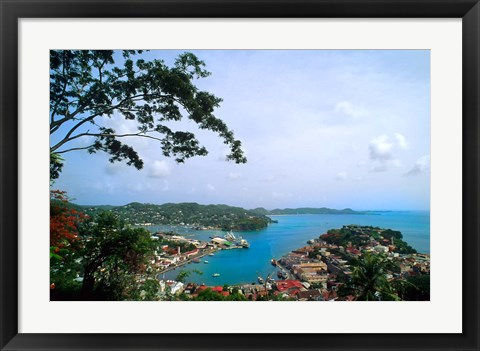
<point>291,232</point>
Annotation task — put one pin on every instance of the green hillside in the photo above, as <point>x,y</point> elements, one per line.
<point>188,214</point>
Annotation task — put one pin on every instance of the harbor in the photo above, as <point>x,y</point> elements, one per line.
<point>166,262</point>
<point>237,266</point>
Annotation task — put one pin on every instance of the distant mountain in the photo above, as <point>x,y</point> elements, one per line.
<point>305,210</point>
<point>261,210</point>
<point>187,213</point>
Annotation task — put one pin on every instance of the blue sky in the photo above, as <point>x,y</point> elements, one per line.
<point>320,128</point>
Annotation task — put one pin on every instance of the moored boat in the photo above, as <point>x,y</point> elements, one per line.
<point>216,275</point>
<point>282,274</point>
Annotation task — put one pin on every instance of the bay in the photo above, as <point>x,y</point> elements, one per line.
<point>238,266</point>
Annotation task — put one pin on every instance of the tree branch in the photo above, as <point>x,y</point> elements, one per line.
<point>68,137</point>
<point>74,149</point>
<point>54,111</point>
<point>139,134</point>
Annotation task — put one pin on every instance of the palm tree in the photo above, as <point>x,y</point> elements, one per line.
<point>368,281</point>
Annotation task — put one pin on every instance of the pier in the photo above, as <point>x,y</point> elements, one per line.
<point>187,261</point>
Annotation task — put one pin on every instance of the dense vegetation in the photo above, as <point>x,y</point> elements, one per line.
<point>191,214</point>
<point>98,258</point>
<point>361,235</point>
<point>369,282</point>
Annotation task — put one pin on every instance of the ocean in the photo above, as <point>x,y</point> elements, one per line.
<point>238,266</point>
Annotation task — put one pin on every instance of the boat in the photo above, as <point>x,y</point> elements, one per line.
<point>243,243</point>
<point>210,254</point>
<point>260,279</point>
<point>273,262</point>
<point>237,241</point>
<point>196,260</point>
<point>205,261</point>
<point>282,274</point>
<point>216,275</point>
<point>230,236</point>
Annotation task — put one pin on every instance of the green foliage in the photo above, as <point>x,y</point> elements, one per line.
<point>402,247</point>
<point>418,288</point>
<point>173,245</point>
<point>64,273</point>
<point>209,295</point>
<point>87,87</point>
<point>360,235</point>
<point>193,214</point>
<point>56,165</point>
<point>388,233</point>
<point>368,281</point>
<point>115,259</point>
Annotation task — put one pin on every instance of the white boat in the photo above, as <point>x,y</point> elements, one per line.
<point>244,243</point>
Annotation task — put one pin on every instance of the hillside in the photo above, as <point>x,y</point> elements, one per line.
<point>189,214</point>
<point>359,236</point>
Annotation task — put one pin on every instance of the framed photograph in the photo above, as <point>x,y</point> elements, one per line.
<point>218,175</point>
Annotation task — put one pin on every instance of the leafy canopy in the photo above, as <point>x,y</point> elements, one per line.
<point>88,87</point>
<point>115,259</point>
<point>368,281</point>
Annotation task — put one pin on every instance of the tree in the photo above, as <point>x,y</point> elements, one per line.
<point>368,281</point>
<point>115,260</point>
<point>86,85</point>
<point>417,289</point>
<point>64,244</point>
<point>64,221</point>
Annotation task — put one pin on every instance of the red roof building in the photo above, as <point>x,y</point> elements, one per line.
<point>283,285</point>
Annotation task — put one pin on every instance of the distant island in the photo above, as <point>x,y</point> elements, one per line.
<point>202,217</point>
<point>305,210</point>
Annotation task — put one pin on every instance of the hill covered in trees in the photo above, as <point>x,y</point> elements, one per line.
<point>191,214</point>
<point>363,236</point>
<point>202,216</point>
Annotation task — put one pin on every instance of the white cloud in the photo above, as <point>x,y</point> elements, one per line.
<point>210,187</point>
<point>381,152</point>
<point>421,165</point>
<point>401,141</point>
<point>341,176</point>
<point>380,149</point>
<point>159,169</point>
<point>347,108</point>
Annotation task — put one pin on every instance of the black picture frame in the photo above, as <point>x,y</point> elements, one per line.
<point>12,11</point>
